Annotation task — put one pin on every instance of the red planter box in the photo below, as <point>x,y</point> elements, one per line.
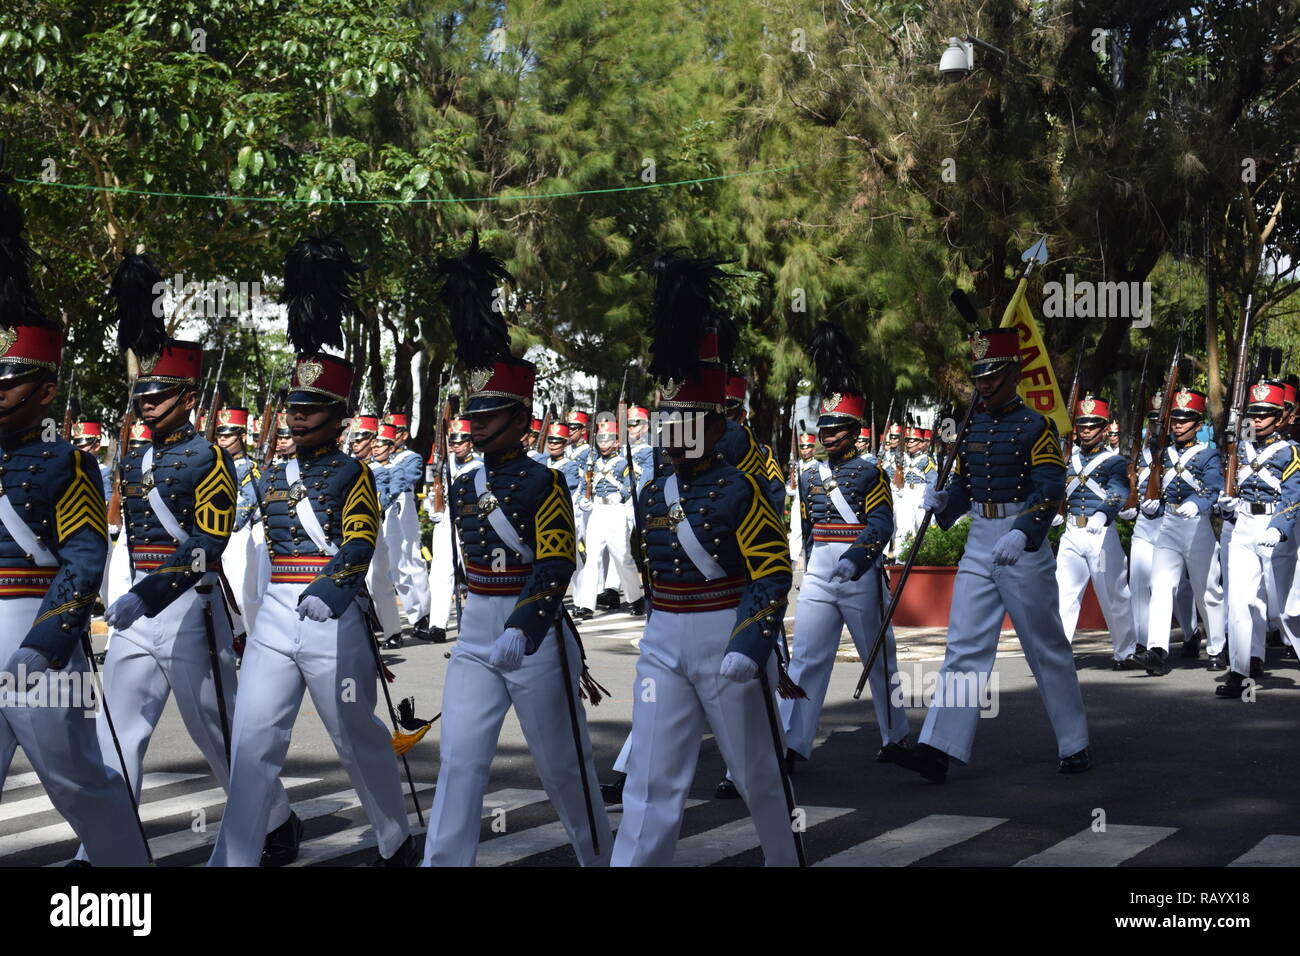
<point>927,600</point>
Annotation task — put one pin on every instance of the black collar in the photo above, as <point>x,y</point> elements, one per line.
<point>12,441</point>
<point>180,434</point>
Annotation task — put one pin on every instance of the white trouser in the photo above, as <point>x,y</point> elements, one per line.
<point>240,563</point>
<point>1084,556</point>
<point>165,654</point>
<point>60,742</point>
<point>824,609</point>
<point>1141,552</point>
<point>1186,544</point>
<point>405,562</point>
<point>1291,604</point>
<point>981,594</point>
<point>117,575</point>
<point>907,513</point>
<point>796,529</point>
<point>442,574</point>
<point>606,532</point>
<point>678,689</point>
<point>1282,570</point>
<point>335,661</point>
<point>383,592</point>
<point>475,699</point>
<point>1252,586</point>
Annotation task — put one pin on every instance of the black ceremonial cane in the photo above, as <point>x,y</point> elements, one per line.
<point>562,644</point>
<point>786,787</point>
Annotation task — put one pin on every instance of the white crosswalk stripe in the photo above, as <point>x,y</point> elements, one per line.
<point>905,845</point>
<point>360,838</point>
<point>512,847</point>
<point>711,846</point>
<point>1108,847</point>
<point>21,808</point>
<point>149,811</point>
<point>1275,850</point>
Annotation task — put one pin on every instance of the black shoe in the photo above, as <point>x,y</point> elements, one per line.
<point>78,863</point>
<point>608,598</point>
<point>1139,650</point>
<point>1273,639</point>
<point>281,847</point>
<point>1155,661</point>
<point>792,758</point>
<point>892,753</point>
<point>1288,653</point>
<point>1231,688</point>
<point>637,607</point>
<point>612,793</point>
<point>1192,646</point>
<point>930,762</point>
<point>1257,668</point>
<point>583,614</point>
<point>1076,763</point>
<point>408,854</point>
<point>1218,662</point>
<point>726,790</point>
<point>99,657</point>
<point>394,642</point>
<point>438,635</point>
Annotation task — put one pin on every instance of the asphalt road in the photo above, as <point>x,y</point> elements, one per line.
<point>1180,778</point>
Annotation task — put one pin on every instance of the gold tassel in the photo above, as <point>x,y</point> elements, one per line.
<point>404,742</point>
<point>590,689</point>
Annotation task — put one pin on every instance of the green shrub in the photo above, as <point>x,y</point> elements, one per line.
<point>939,548</point>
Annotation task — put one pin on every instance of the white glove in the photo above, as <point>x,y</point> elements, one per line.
<point>1269,540</point>
<point>314,608</point>
<point>934,499</point>
<point>1058,519</point>
<point>1129,514</point>
<point>508,650</point>
<point>437,516</point>
<point>1188,509</point>
<point>844,570</point>
<point>27,661</point>
<point>1096,523</point>
<point>1227,506</point>
<point>1150,506</point>
<point>738,667</point>
<point>584,504</point>
<point>1010,547</point>
<point>125,611</point>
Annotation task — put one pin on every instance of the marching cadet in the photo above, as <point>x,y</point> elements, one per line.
<point>1191,484</point>
<point>240,559</point>
<point>171,632</point>
<point>1112,436</point>
<point>919,473</point>
<point>1096,485</point>
<point>442,572</point>
<point>284,446</point>
<point>1261,516</point>
<point>402,525</point>
<point>89,437</point>
<point>720,573</point>
<point>1146,528</point>
<point>514,518</point>
<point>531,439</point>
<point>807,445</point>
<point>379,578</point>
<point>557,442</point>
<point>577,422</point>
<point>862,443</point>
<point>638,423</point>
<point>606,524</point>
<point>846,505</point>
<point>1010,479</point>
<point>53,545</point>
<point>322,524</point>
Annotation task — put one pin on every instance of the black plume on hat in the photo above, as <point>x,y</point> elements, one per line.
<point>18,305</point>
<point>468,288</point>
<point>318,289</point>
<point>135,287</point>
<point>686,297</point>
<point>831,351</point>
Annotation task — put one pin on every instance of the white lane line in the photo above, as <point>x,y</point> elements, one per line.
<point>905,845</point>
<point>1109,847</point>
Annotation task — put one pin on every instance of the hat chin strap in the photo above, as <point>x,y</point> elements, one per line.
<point>6,412</point>
<point>170,408</point>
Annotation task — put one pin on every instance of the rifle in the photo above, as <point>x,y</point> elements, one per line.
<point>1068,438</point>
<point>69,410</point>
<point>123,437</point>
<point>1155,483</point>
<point>881,438</point>
<point>1135,440</point>
<point>458,572</point>
<point>794,451</point>
<point>1237,409</point>
<point>638,552</point>
<point>900,466</point>
<point>214,401</point>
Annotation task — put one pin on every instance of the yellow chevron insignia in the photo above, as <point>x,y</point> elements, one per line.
<point>762,539</point>
<point>81,505</point>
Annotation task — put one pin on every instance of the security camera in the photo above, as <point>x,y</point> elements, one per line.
<point>958,60</point>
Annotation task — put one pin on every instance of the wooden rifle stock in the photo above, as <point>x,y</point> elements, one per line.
<point>1135,441</point>
<point>1237,411</point>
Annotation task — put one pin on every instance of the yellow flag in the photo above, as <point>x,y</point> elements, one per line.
<point>1038,385</point>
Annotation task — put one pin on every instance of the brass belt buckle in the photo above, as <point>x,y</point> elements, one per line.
<point>297,492</point>
<point>147,482</point>
<point>487,503</point>
<point>676,515</point>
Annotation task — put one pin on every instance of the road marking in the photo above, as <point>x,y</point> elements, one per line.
<point>21,780</point>
<point>905,845</point>
<point>1109,847</point>
<point>155,810</point>
<point>707,848</point>
<point>1275,850</point>
<point>352,840</point>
